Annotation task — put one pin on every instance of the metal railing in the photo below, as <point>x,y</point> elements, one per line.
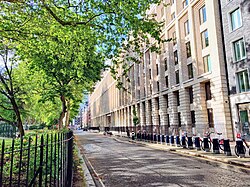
<point>7,130</point>
<point>45,160</point>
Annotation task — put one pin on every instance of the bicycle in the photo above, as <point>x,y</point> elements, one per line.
<point>220,141</point>
<point>236,148</point>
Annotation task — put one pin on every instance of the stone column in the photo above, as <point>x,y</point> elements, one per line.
<point>142,116</point>
<point>155,114</point>
<point>173,114</point>
<point>149,124</point>
<point>163,113</point>
<point>200,108</point>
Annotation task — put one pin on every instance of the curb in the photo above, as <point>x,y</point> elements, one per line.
<point>91,177</point>
<point>88,178</point>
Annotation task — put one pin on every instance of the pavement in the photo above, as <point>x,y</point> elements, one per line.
<point>242,164</point>
<point>232,160</point>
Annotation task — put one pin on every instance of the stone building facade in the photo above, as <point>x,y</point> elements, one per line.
<point>236,28</point>
<point>182,89</point>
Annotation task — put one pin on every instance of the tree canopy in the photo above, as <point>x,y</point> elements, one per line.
<point>68,42</point>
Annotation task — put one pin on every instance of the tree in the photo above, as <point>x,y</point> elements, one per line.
<point>11,103</point>
<point>68,60</point>
<point>68,41</point>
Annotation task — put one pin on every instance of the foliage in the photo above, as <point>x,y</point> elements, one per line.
<point>67,43</point>
<point>54,155</point>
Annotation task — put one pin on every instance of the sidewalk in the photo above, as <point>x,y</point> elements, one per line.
<point>232,160</point>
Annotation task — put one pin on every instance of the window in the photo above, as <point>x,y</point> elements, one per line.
<point>168,120</point>
<point>188,49</point>
<point>175,57</point>
<point>243,81</point>
<point>239,50</point>
<point>166,99</point>
<point>166,80</point>
<point>207,63</point>
<point>187,29</point>
<point>191,96</point>
<point>210,118</point>
<point>190,71</point>
<point>149,73</point>
<point>185,3</point>
<point>157,103</point>
<point>166,64</point>
<point>158,86</point>
<point>208,91</point>
<point>179,119</point>
<point>193,118</point>
<point>203,14</point>
<point>172,2</point>
<point>174,38</point>
<point>177,78</point>
<point>157,69</point>
<point>177,98</point>
<point>236,21</point>
<point>173,16</point>
<point>138,83</point>
<point>204,39</point>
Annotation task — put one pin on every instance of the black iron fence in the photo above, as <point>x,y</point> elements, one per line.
<point>44,160</point>
<point>7,130</point>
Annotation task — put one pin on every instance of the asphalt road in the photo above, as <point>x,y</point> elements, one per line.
<point>120,164</point>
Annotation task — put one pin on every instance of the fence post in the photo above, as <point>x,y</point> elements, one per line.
<point>70,159</point>
<point>20,162</point>
<point>1,164</point>
<point>27,175</point>
<point>11,161</point>
<point>41,163</point>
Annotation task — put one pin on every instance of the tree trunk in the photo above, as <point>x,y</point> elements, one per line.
<point>63,112</point>
<point>18,116</point>
<point>67,114</point>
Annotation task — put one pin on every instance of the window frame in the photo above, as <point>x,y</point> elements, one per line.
<point>188,49</point>
<point>244,81</point>
<point>231,20</point>
<point>186,27</point>
<point>207,65</point>
<point>177,78</point>
<point>190,76</point>
<point>210,117</point>
<point>201,14</point>
<point>191,95</point>
<point>166,64</point>
<point>208,92</point>
<point>234,52</point>
<point>166,81</point>
<point>204,44</point>
<point>176,59</point>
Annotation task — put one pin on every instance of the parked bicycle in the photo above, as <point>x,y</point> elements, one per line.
<point>208,135</point>
<point>236,149</point>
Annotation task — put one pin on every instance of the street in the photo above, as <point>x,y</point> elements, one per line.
<point>125,164</point>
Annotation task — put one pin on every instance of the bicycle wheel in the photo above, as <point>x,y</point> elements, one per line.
<point>221,146</point>
<point>237,151</point>
<point>202,145</point>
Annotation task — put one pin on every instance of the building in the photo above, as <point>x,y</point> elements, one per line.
<point>236,27</point>
<point>182,89</point>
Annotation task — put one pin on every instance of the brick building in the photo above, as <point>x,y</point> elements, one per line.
<point>182,89</point>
